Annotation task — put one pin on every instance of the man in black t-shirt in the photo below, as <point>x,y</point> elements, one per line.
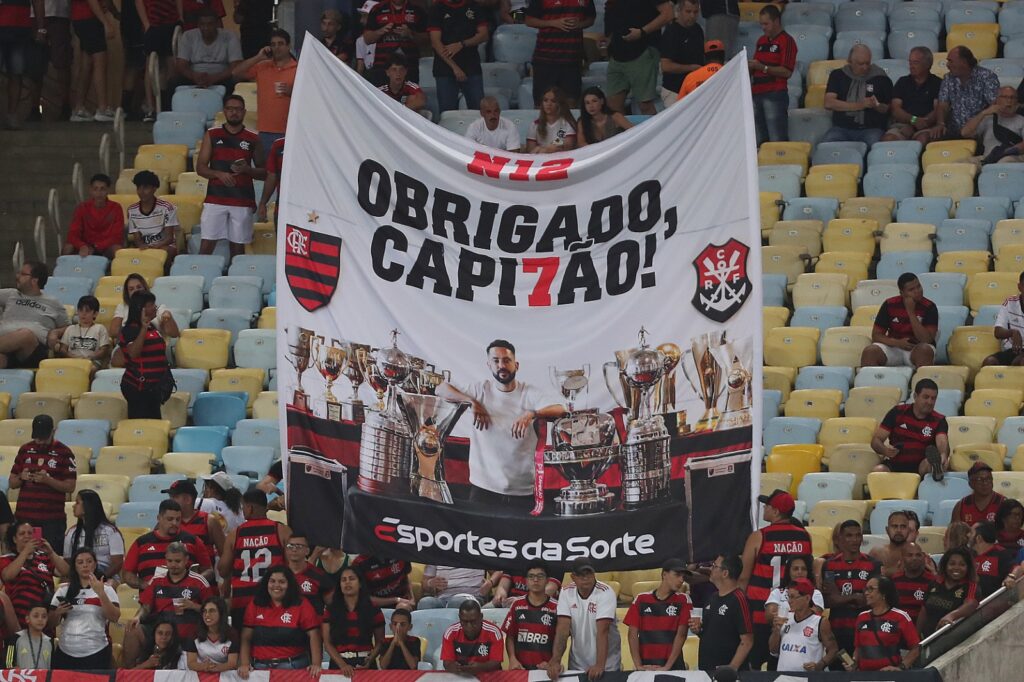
<point>634,29</point>
<point>682,50</point>
<point>913,100</point>
<point>456,28</point>
<point>858,96</point>
<point>725,627</point>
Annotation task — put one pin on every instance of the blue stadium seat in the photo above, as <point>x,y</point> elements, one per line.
<point>944,514</point>
<point>811,43</point>
<point>902,41</point>
<point>256,348</point>
<point>771,399</point>
<point>807,14</point>
<point>935,493</point>
<point>221,250</point>
<point>790,430</point>
<point>272,298</point>
<point>808,125</point>
<point>148,488</point>
<point>894,68</point>
<point>986,316</point>
<point>258,432</point>
<point>961,234</point>
<point>209,267</point>
<point>898,377</point>
<point>1009,71</point>
<point>259,266</point>
<point>820,376</point>
<point>950,317</point>
<point>18,381</point>
<point>202,438</point>
<point>248,460</point>
<point>907,16</point>
<point>237,291</point>
<point>839,152</point>
<point>968,13</point>
<point>893,181</point>
<point>219,408</point>
<point>999,180</point>
<point>1011,434</point>
<point>458,121</point>
<point>774,289</point>
<point>818,487</point>
<point>91,267</point>
<point>180,291</point>
<point>880,515</point>
<point>822,317</point>
<point>944,288</point>
<point>811,208</point>
<point>780,179</point>
<point>138,514</point>
<point>1011,21</point>
<point>179,127</point>
<point>93,433</point>
<point>853,16</point>
<point>883,153</point>
<point>747,35</point>
<point>924,210</point>
<point>514,43</point>
<point>193,381</point>
<point>68,290</point>
<point>202,100</point>
<point>430,624</point>
<point>893,264</point>
<point>107,381</point>
<point>950,401</point>
<point>992,209</point>
<point>845,41</point>
<point>232,319</point>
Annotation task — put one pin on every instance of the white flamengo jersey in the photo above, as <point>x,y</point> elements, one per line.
<point>800,643</point>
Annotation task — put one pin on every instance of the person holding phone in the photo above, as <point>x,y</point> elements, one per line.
<point>85,605</point>
<point>45,471</point>
<point>28,571</point>
<point>273,68</point>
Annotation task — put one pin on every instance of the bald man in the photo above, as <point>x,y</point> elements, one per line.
<point>858,96</point>
<point>999,130</point>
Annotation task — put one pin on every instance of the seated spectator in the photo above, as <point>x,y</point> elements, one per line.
<point>914,100</point>
<point>512,586</point>
<point>334,34</point>
<point>444,586</point>
<point>87,339</point>
<point>858,96</point>
<point>398,88</point>
<point>597,121</point>
<point>387,581</point>
<point>273,68</point>
<point>191,11</point>
<point>94,531</point>
<point>401,651</point>
<point>151,220</point>
<point>917,434</point>
<point>967,89</point>
<point>773,63</point>
<point>94,25</point>
<point>456,28</point>
<point>999,130</point>
<point>1009,329</point>
<point>983,503</point>
<point>30,321</point>
<point>957,535</point>
<point>215,647</point>
<point>280,629</point>
<point>85,605</point>
<point>395,28</point>
<point>883,631</point>
<point>555,129</point>
<point>992,561</point>
<point>1010,524</point>
<point>682,50</point>
<point>353,628</point>
<point>473,645</point>
<point>492,129</point>
<point>207,55</point>
<point>164,322</point>
<point>365,52</point>
<point>953,596</point>
<point>32,648</point>
<point>714,58</point>
<point>558,53</point>
<point>148,554</point>
<point>97,226</point>
<point>905,328</point>
<point>163,651</point>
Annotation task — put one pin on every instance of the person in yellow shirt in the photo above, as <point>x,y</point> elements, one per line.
<point>714,57</point>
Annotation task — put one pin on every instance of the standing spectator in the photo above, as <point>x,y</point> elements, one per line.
<point>30,321</point>
<point>714,57</point>
<point>16,35</point>
<point>1009,329</point>
<point>682,50</point>
<point>722,19</point>
<point>492,129</point>
<point>151,220</point>
<point>558,56</point>
<point>597,121</point>
<point>400,651</point>
<point>28,569</point>
<point>858,96</point>
<point>215,647</point>
<point>555,128</point>
<point>797,567</point>
<point>255,19</point>
<point>393,27</point>
<point>446,586</point>
<point>983,502</point>
<point>843,578</point>
<point>398,87</point>
<point>531,622</point>
<point>725,627</point>
<point>164,322</point>
<point>884,631</point>
<point>147,382</point>
<point>773,63</point>
<point>386,580</point>
<point>132,39</point>
<point>45,470</point>
<point>1009,522</point>
<point>473,645</point>
<point>917,434</point>
<point>207,55</point>
<point>86,605</point>
<point>275,166</point>
<point>147,555</point>
<point>32,648</point>
<point>992,562</point>
<point>313,582</point>
<point>95,532</point>
<point>163,650</point>
<point>159,19</point>
<point>281,630</point>
<point>334,34</point>
<point>953,596</point>
<point>97,226</point>
<point>803,639</point>
<point>220,496</point>
<point>456,28</point>
<point>55,51</point>
<point>199,524</point>
<point>998,129</point>
<point>914,100</point>
<point>273,68</point>
<point>967,89</point>
<point>897,528</point>
<point>634,30</point>
<point>586,613</point>
<point>353,628</point>
<point>231,157</point>
<point>658,622</point>
<point>87,339</point>
<point>365,53</point>
<point>94,26</point>
<point>913,579</point>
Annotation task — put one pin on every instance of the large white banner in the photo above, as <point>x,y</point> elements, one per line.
<point>390,222</point>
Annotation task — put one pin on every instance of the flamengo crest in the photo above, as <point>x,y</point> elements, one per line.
<point>312,265</point>
<point>722,283</point>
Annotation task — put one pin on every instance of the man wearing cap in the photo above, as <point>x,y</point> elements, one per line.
<point>764,554</point>
<point>842,579</point>
<point>586,613</point>
<point>714,57</point>
<point>200,524</point>
<point>365,52</point>
<point>45,471</point>
<point>334,34</point>
<point>682,50</point>
<point>773,63</point>
<point>725,627</point>
<point>658,621</point>
<point>983,502</point>
<point>803,640</point>
<point>917,435</point>
<point>30,321</point>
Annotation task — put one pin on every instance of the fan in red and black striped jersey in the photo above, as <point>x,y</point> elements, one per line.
<point>387,581</point>
<point>313,582</point>
<point>883,632</point>
<point>146,554</point>
<point>905,328</point>
<point>1009,522</point>
<point>658,622</point>
<point>204,527</point>
<point>992,561</point>
<point>28,572</point>
<point>917,434</point>
<point>473,645</point>
<point>983,502</point>
<point>512,586</point>
<point>531,622</point>
<point>393,27</point>
<point>843,578</point>
<point>913,579</point>
<point>280,629</point>
<point>353,628</point>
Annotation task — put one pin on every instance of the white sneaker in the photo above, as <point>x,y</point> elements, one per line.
<point>81,116</point>
<point>104,116</point>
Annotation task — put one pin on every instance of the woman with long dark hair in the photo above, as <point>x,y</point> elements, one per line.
<point>1010,524</point>
<point>797,567</point>
<point>354,628</point>
<point>555,127</point>
<point>86,605</point>
<point>883,631</point>
<point>133,284</point>
<point>145,359</point>
<point>953,595</point>
<point>165,652</point>
<point>597,120</point>
<point>215,647</point>
<point>220,496</point>
<point>28,569</point>
<point>280,629</point>
<point>95,531</point>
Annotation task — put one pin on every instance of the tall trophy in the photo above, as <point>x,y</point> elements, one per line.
<point>355,372</point>
<point>331,361</point>
<point>667,386</point>
<point>300,347</point>
<point>427,378</point>
<point>625,396</point>
<point>706,378</point>
<point>430,420</point>
<point>736,357</point>
<point>385,450</point>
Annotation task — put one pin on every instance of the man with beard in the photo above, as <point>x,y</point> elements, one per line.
<point>912,579</point>
<point>501,450</point>
<point>898,530</point>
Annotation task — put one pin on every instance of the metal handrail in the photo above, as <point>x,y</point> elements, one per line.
<point>989,608</point>
<point>119,138</point>
<point>18,257</point>
<point>104,152</point>
<point>53,213</point>
<point>78,182</point>
<point>39,236</point>
<point>153,68</point>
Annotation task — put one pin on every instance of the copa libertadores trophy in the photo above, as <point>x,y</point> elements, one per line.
<point>735,357</point>
<point>645,459</point>
<point>385,450</point>
<point>582,449</point>
<point>355,372</point>
<point>300,347</point>
<point>706,377</point>
<point>331,360</point>
<point>430,420</point>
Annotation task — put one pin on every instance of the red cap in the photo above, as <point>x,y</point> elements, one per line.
<point>781,500</point>
<point>977,468</point>
<point>803,586</point>
<point>714,46</point>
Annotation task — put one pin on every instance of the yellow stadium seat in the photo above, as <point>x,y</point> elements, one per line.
<point>821,543</point>
<point>821,288</point>
<point>7,456</point>
<point>850,234</point>
<point>970,430</point>
<point>264,241</point>
<point>33,403</point>
<point>797,463</point>
<point>1009,484</point>
<point>932,539</point>
<point>249,380</point>
<point>779,379</point>
<point>5,405</point>
<point>828,513</point>
<point>969,346</point>
<point>203,348</point>
<point>1017,461</point>
<point>191,183</point>
<point>947,151</point>
<point>774,316</point>
<point>130,535</point>
<point>945,376</point>
<point>855,458</point>
<point>948,180</point>
<point>982,39</point>
<point>818,71</point>
<point>124,201</point>
<point>832,180</point>
<point>872,402</point>
<point>170,158</point>
<point>850,263</point>
<point>892,486</point>
<point>95,405</point>
<point>83,457</point>
<point>126,460</point>
<point>191,464</point>
<point>815,450</point>
<point>1000,376</point>
<point>940,66</point>
<point>189,208</point>
<point>147,432</point>
<point>785,153</point>
<point>864,316</point>
<point>247,91</point>
<point>138,257</point>
<point>112,488</point>
<point>70,380</point>
<point>814,97</point>
<point>125,185</point>
<point>804,234</point>
<point>842,346</point>
<point>777,480</point>
<point>265,406</point>
<point>109,286</point>
<point>1007,232</point>
<point>907,237</point>
<point>175,410</point>
<point>15,431</point>
<point>107,307</point>
<point>148,269</point>
<point>788,260</point>
<point>770,210</point>
<point>843,431</point>
<point>819,403</point>
<point>990,288</point>
<point>994,402</point>
<point>879,209</point>
<point>792,346</point>
<point>964,456</point>
<point>632,583</point>
<point>268,318</point>
<point>1010,258</point>
<point>964,262</point>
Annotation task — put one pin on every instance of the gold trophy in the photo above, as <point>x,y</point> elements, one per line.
<point>667,386</point>
<point>374,377</point>
<point>331,361</point>
<point>707,378</point>
<point>355,372</point>
<point>430,420</point>
<point>625,395</point>
<point>736,357</point>
<point>300,345</point>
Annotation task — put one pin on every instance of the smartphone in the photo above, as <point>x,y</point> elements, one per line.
<point>37,533</point>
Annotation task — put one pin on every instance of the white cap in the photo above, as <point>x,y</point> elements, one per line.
<point>222,479</point>
<point>367,6</point>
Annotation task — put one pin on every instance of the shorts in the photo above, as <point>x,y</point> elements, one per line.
<point>15,43</point>
<point>639,76</point>
<point>42,352</point>
<point>159,39</point>
<point>1006,357</point>
<point>91,35</point>
<point>566,77</point>
<point>898,357</point>
<point>233,223</point>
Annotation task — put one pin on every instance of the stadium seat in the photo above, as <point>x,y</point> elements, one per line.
<point>822,317</point>
<point>112,488</point>
<point>981,38</point>
<point>949,401</point>
<point>846,40</point>
<point>180,291</point>
<point>898,377</point>
<point>843,431</point>
<point>811,208</point>
<point>32,404</point>
<point>997,181</point>
<point>70,380</point>
<point>960,234</point>
<point>89,267</point>
<point>873,292</point>
<point>948,151</point>
<point>808,125</point>
<point>248,460</point>
<point>983,288</point>
<point>995,402</point>
<point>873,402</point>
<point>880,514</point>
<point>256,348</point>
<point>970,430</point>
<point>879,209</point>
<point>218,409</point>
<point>842,346</point>
<point>856,458</point>
<point>265,405</point>
<point>828,513</point>
<point>237,291</point>
<point>864,316</point>
<point>944,289</point>
<point>779,379</point>
<point>154,433</point>
<point>1009,484</point>
<point>771,207</point>
<point>935,492</point>
<point>209,267</point>
<point>1000,377</point>
<point>191,184</point>
<point>785,260</point>
<point>970,346</point>
<point>932,210</point>
<point>107,381</point>
<point>208,438</point>
<point>851,264</point>
<point>907,237</point>
<point>1007,232</point>
<point>893,264</point>
<point>771,400</point>
<point>93,433</point>
<point>992,209</point>
<point>837,378</point>
<point>258,432</point>
<point>832,181</point>
<point>821,289</point>
<point>500,75</point>
<point>846,234</point>
<point>840,152</point>
<point>892,486</point>
<point>255,266</point>
<point>168,158</point>
<point>1010,258</point>
<point>191,381</point>
<point>234,320</point>
<point>897,182</point>
<point>792,346</point>
<point>179,127</point>
<point>268,317</point>
<point>818,486</point>
<point>966,455</point>
<point>808,14</point>
<point>853,17</point>
<point>774,316</point>
<point>138,514</point>
<point>784,180</point>
<point>15,382</point>
<point>819,403</point>
<point>774,289</point>
<point>127,460</point>
<point>901,41</point>
<point>945,376</point>
<point>785,153</point>
<point>68,290</point>
<point>249,380</point>
<point>203,348</point>
<point>15,432</point>
<point>149,488</point>
<point>190,464</point>
<point>887,153</point>
<point>796,462</point>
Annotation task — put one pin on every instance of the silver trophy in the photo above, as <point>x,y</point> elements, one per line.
<point>736,357</point>
<point>331,360</point>
<point>430,420</point>
<point>706,377</point>
<point>427,378</point>
<point>355,372</point>
<point>385,450</point>
<point>300,347</point>
<point>570,383</point>
<point>625,396</point>
<point>667,386</point>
